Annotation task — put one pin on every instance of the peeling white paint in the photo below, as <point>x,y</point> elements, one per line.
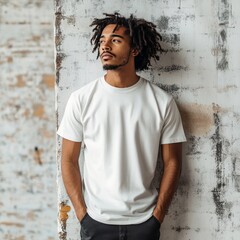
<point>27,139</point>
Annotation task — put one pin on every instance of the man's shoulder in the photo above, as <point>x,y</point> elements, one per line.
<point>158,90</point>
<point>86,88</point>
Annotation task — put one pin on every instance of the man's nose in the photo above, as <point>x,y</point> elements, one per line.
<point>105,46</point>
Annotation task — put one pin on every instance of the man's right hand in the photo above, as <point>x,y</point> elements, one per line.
<point>72,176</point>
<point>81,214</point>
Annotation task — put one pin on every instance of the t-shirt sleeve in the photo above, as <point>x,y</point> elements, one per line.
<point>71,125</point>
<point>172,130</point>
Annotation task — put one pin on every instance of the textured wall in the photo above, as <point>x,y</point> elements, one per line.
<point>28,195</point>
<point>201,69</point>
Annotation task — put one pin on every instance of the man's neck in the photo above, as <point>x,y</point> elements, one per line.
<point>121,79</point>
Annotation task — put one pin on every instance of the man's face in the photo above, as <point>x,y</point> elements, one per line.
<point>114,47</point>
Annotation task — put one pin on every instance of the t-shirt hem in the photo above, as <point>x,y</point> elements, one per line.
<point>128,221</point>
<point>175,140</point>
<point>69,137</point>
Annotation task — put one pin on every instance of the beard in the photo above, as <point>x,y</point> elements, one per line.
<point>113,67</point>
<point>116,66</point>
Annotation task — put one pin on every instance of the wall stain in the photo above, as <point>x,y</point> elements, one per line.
<point>172,68</point>
<point>19,225</point>
<point>172,89</point>
<point>37,155</point>
<point>9,59</point>
<point>218,190</point>
<point>70,19</point>
<point>58,40</point>
<point>223,20</point>
<point>163,23</point>
<point>193,147</point>
<point>236,173</point>
<point>223,208</point>
<point>38,110</point>
<point>180,4</point>
<point>31,215</point>
<point>223,64</point>
<point>36,38</point>
<point>223,12</point>
<point>197,118</point>
<point>179,229</point>
<point>59,59</point>
<point>223,35</point>
<point>63,216</point>
<point>49,80</point>
<point>21,81</point>
<point>171,38</point>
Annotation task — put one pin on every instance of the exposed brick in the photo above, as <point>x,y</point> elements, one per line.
<point>28,201</point>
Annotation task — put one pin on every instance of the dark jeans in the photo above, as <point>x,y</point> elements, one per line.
<point>94,230</point>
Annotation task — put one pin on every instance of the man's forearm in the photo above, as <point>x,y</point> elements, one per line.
<point>168,187</point>
<point>73,184</point>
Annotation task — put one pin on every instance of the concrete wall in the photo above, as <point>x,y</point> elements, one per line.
<point>201,69</point>
<point>28,190</point>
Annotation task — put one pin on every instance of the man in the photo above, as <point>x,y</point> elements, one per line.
<point>123,121</point>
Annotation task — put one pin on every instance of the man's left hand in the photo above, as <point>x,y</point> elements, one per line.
<point>158,214</point>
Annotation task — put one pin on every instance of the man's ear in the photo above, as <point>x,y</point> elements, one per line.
<point>135,52</point>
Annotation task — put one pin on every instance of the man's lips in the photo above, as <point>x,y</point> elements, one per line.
<point>106,55</point>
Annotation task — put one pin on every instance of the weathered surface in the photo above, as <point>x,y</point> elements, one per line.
<point>28,198</point>
<point>201,70</point>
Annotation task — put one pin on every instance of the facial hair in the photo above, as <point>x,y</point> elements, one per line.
<point>114,67</point>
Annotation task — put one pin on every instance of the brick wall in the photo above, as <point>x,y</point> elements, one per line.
<point>28,196</point>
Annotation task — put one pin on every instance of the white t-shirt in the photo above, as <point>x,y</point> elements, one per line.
<point>121,129</point>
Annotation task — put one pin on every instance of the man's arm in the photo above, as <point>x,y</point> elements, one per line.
<point>172,160</point>
<point>71,176</point>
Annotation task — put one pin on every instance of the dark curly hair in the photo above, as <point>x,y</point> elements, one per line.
<point>143,34</point>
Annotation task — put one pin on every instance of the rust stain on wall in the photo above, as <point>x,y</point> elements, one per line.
<point>19,225</point>
<point>22,53</point>
<point>38,110</point>
<point>20,81</point>
<point>49,80</point>
<point>197,118</point>
<point>31,215</point>
<point>36,38</point>
<point>63,216</point>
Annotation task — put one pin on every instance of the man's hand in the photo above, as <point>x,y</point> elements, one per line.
<point>81,214</point>
<point>72,177</point>
<point>158,214</point>
<point>172,160</point>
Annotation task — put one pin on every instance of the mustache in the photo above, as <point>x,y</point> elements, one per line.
<point>107,53</point>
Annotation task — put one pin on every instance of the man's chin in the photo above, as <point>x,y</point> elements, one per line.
<point>110,67</point>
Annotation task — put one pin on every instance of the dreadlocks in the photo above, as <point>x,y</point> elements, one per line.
<point>143,35</point>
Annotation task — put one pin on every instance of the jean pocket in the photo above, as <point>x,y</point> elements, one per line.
<point>156,221</point>
<point>84,218</point>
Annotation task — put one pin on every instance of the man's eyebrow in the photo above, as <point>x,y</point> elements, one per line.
<point>113,35</point>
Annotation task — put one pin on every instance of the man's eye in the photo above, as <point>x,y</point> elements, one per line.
<point>116,40</point>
